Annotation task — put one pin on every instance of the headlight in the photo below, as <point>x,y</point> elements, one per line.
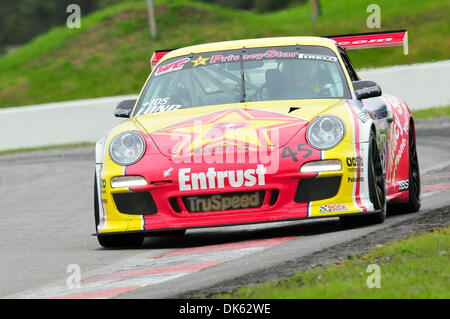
<point>325,132</point>
<point>127,148</point>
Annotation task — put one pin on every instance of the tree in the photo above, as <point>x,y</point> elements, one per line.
<point>151,18</point>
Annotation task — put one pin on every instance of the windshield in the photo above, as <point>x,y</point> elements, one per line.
<point>245,75</point>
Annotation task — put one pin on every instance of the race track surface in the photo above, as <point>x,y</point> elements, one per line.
<point>47,222</point>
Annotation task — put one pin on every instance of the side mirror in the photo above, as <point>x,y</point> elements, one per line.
<point>124,108</point>
<point>366,89</point>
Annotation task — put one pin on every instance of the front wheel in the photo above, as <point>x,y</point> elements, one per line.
<point>113,241</point>
<point>377,189</point>
<point>118,241</point>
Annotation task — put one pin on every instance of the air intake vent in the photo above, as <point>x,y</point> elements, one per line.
<point>274,197</point>
<point>312,189</point>
<point>174,203</point>
<point>139,203</point>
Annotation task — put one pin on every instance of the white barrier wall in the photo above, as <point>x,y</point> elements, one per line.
<point>420,85</point>
<point>58,123</point>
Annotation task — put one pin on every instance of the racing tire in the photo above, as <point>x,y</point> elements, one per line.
<point>414,175</point>
<point>414,188</point>
<point>113,241</point>
<point>121,241</point>
<point>173,233</point>
<point>377,190</point>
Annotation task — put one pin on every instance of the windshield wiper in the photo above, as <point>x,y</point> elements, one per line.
<point>242,81</point>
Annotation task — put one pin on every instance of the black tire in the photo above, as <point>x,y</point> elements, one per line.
<point>414,174</point>
<point>121,241</point>
<point>173,233</point>
<point>113,241</point>
<point>96,211</point>
<point>414,188</point>
<point>377,189</point>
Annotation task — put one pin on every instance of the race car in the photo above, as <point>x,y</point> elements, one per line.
<point>254,131</point>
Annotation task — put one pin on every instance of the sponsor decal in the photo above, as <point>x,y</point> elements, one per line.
<point>399,134</point>
<point>158,105</point>
<point>174,66</point>
<point>220,202</point>
<point>367,90</point>
<point>403,185</point>
<point>382,146</point>
<point>121,112</point>
<point>363,117</point>
<point>213,179</point>
<point>199,61</point>
<point>365,41</point>
<point>333,208</point>
<point>270,54</point>
<point>354,163</point>
<point>355,179</point>
<point>288,152</point>
<point>400,152</point>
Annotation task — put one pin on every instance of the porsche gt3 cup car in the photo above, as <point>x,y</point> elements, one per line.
<point>255,131</point>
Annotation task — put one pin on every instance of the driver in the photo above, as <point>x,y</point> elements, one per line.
<point>297,78</point>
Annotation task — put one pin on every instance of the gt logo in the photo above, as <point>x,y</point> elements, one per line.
<point>354,161</point>
<point>403,185</point>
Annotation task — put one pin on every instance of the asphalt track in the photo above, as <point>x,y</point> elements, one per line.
<point>47,222</point>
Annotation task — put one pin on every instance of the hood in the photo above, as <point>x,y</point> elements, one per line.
<point>190,131</point>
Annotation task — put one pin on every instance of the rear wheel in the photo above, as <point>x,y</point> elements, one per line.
<point>414,175</point>
<point>113,241</point>
<point>414,203</point>
<point>377,189</point>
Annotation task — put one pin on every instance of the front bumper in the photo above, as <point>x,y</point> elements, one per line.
<point>288,195</point>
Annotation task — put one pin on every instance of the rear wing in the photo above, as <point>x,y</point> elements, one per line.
<point>158,55</point>
<point>372,40</point>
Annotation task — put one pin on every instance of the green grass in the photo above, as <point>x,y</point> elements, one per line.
<point>417,267</point>
<point>432,112</point>
<point>110,54</point>
<point>45,147</point>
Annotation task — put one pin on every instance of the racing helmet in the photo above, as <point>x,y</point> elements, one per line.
<point>298,71</point>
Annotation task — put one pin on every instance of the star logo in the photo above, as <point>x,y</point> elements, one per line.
<point>200,60</point>
<point>243,128</point>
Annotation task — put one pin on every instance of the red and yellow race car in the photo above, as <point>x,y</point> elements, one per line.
<point>254,131</point>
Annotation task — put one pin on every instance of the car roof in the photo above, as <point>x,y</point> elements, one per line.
<point>251,43</point>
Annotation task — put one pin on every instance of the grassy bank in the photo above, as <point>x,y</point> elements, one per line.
<point>417,267</point>
<point>45,147</point>
<point>432,112</point>
<point>110,54</point>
